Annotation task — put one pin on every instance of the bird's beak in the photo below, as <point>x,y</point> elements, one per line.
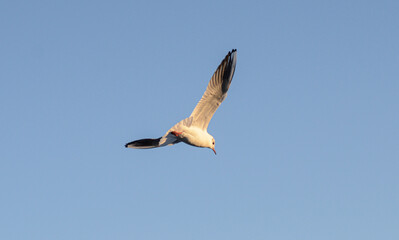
<point>214,150</point>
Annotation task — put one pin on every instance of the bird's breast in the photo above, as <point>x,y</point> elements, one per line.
<point>195,137</point>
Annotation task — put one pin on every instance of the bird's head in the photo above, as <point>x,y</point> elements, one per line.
<point>212,145</point>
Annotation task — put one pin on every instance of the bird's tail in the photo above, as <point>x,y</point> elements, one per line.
<point>144,143</point>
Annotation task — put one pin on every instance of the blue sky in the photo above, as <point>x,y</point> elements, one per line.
<point>307,139</point>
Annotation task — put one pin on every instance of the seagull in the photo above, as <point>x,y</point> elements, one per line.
<point>193,130</point>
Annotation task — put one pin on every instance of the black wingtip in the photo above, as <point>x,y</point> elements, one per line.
<point>229,55</point>
<point>144,143</point>
<point>130,143</point>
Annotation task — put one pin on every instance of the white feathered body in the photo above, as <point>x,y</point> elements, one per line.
<point>191,134</point>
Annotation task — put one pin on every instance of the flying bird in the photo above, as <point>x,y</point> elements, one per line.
<point>193,130</point>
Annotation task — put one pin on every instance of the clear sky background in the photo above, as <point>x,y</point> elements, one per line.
<point>307,139</point>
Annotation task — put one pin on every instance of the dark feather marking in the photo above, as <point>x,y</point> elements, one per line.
<point>147,142</point>
<point>228,73</point>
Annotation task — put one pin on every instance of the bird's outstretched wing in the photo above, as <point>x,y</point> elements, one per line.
<point>216,91</point>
